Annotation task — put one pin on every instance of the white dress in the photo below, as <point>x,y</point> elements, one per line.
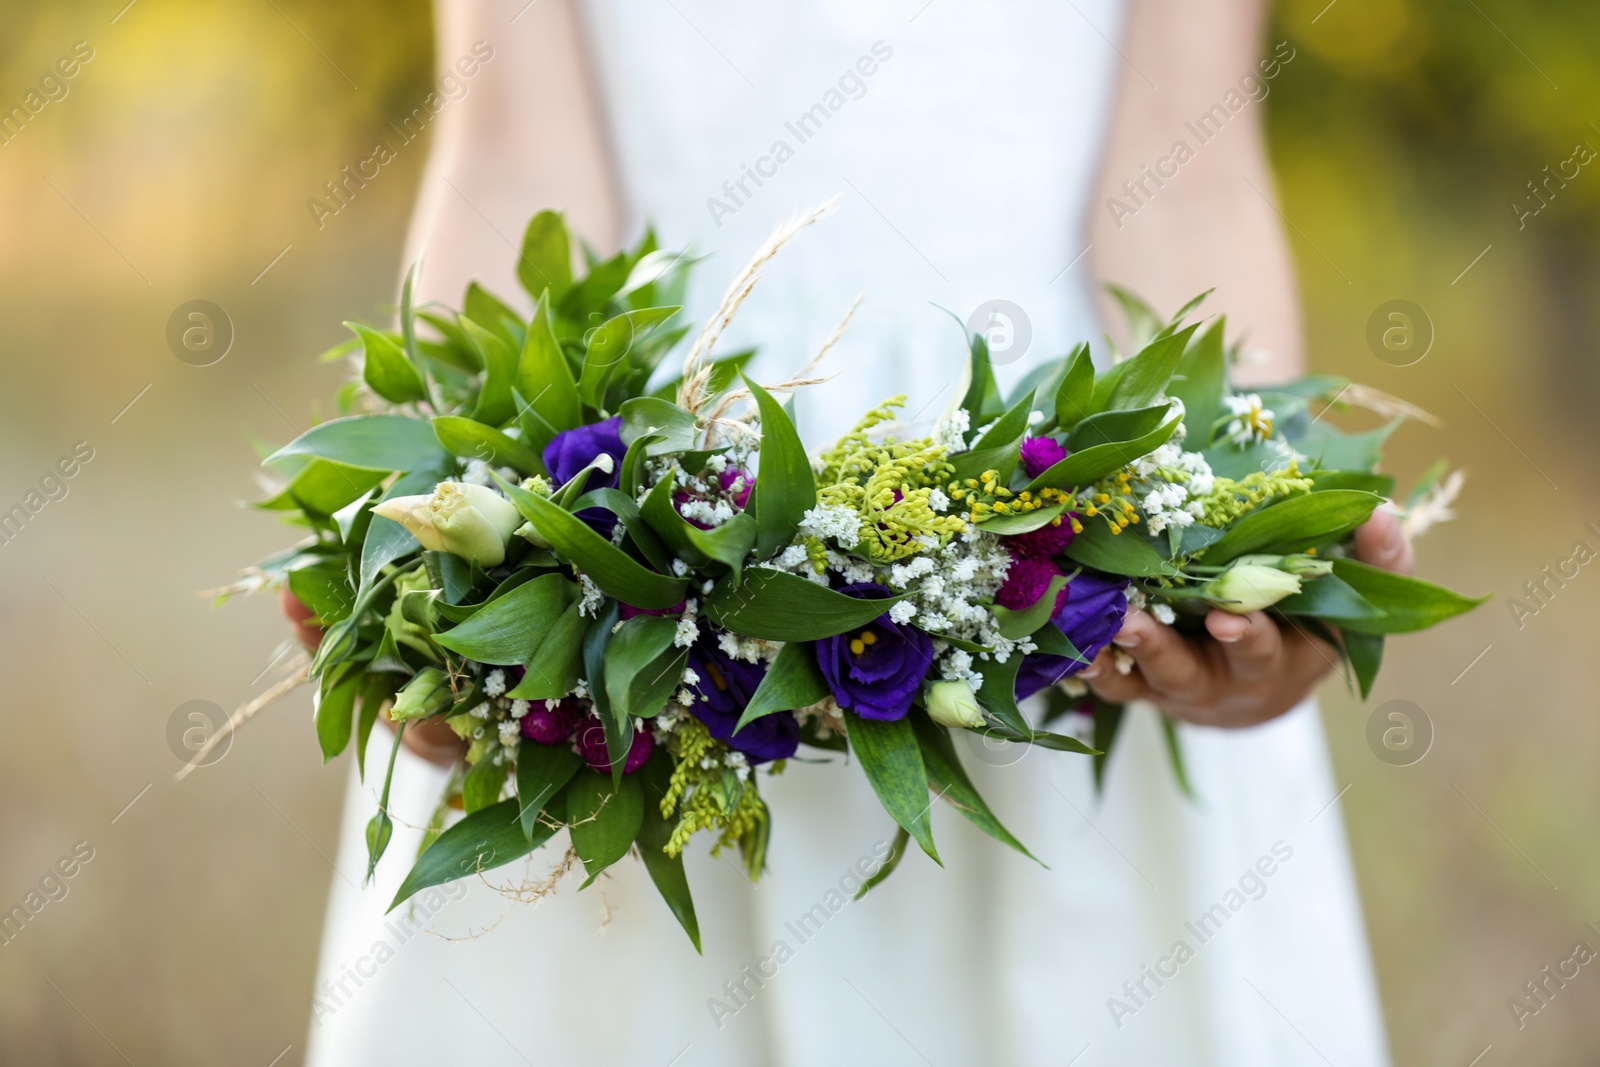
<point>1223,931</point>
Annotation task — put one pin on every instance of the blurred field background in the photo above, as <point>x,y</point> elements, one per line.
<point>177,167</point>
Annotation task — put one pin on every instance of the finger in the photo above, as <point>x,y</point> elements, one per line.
<point>1112,685</point>
<point>1170,664</point>
<point>433,740</point>
<point>1381,542</point>
<point>308,634</point>
<point>1252,645</point>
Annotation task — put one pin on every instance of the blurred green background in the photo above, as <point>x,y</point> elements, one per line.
<point>177,167</point>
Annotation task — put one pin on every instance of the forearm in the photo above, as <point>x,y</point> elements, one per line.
<point>528,135</point>
<point>1211,223</point>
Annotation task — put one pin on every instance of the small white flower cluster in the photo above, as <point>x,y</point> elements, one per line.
<point>832,522</point>
<point>748,649</point>
<point>1177,479</point>
<point>592,597</point>
<point>688,628</point>
<point>1251,421</point>
<point>951,432</point>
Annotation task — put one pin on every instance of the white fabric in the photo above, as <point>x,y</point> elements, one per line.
<point>962,172</point>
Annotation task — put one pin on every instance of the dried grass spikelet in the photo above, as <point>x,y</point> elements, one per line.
<point>697,367</point>
<point>802,378</point>
<point>1382,403</point>
<point>297,667</point>
<point>1435,507</point>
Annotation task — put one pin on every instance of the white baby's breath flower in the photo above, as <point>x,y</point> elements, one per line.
<point>1163,613</point>
<point>494,683</point>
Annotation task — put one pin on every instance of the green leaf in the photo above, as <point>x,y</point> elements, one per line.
<point>336,708</point>
<point>385,367</point>
<point>1128,553</point>
<point>507,630</point>
<point>386,539</point>
<point>998,693</point>
<point>1114,427</point>
<point>1293,525</point>
<point>1092,464</point>
<point>892,763</point>
<point>643,666</point>
<point>792,681</point>
<point>1107,725</point>
<point>981,399</point>
<point>471,439</point>
<point>1199,381</point>
<point>555,666</point>
<point>321,488</point>
<point>1014,523</point>
<point>897,852</point>
<point>614,571</point>
<point>481,787</point>
<point>495,407</point>
<point>949,780</point>
<point>603,821</point>
<point>544,380</point>
<point>1381,484</point>
<point>408,320</point>
<point>1143,322</point>
<point>1329,597</point>
<point>607,350</point>
<point>673,428</point>
<point>1337,450</point>
<point>1169,730</point>
<point>1141,379</point>
<point>541,772</point>
<point>376,690</point>
<point>785,488</point>
<point>1409,604</point>
<point>1015,625</point>
<point>1365,653</point>
<point>727,544</point>
<point>777,606</point>
<point>1009,428</point>
<point>493,314</point>
<point>324,588</point>
<point>1075,396</point>
<point>482,841</point>
<point>546,259</point>
<point>654,832</point>
<point>370,442</point>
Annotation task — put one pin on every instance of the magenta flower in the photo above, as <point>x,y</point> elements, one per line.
<point>591,745</point>
<point>1044,542</point>
<point>1039,454</point>
<point>1027,581</point>
<point>551,723</point>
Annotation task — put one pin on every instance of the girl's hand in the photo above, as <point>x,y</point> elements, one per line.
<point>429,738</point>
<point>1252,668</point>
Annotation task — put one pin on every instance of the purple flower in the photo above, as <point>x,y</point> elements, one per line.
<point>725,688</point>
<point>551,722</point>
<point>571,450</point>
<point>1026,582</point>
<point>1039,454</point>
<point>1046,541</point>
<point>591,745</point>
<point>1090,618</point>
<point>875,671</point>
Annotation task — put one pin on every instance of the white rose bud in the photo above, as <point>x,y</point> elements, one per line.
<point>470,521</point>
<point>1247,587</point>
<point>954,704</point>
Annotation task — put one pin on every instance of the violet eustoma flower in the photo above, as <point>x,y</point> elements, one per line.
<point>875,671</point>
<point>724,691</point>
<point>571,450</point>
<point>1090,618</point>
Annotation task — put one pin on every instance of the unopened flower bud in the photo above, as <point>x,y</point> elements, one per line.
<point>426,694</point>
<point>954,704</point>
<point>470,521</point>
<point>1247,587</point>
